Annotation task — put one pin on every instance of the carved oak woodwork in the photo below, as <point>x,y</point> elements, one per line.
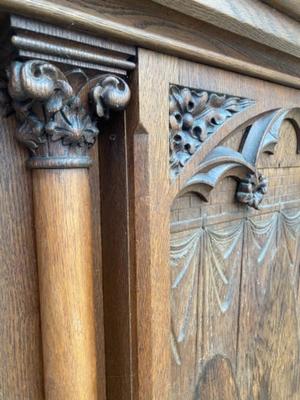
<point>54,125</point>
<point>59,112</point>
<point>151,250</point>
<point>210,261</point>
<point>194,116</point>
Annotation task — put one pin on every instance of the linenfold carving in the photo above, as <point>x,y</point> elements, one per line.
<point>222,161</point>
<point>194,116</point>
<point>49,110</point>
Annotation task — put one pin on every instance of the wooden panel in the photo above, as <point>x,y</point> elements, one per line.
<point>235,288</point>
<point>200,304</point>
<point>21,371</point>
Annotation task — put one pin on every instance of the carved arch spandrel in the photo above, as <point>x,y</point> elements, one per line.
<point>260,137</point>
<point>241,121</point>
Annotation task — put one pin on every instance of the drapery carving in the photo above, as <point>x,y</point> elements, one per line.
<point>214,254</point>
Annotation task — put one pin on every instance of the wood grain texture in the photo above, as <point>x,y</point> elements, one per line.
<point>204,310</point>
<point>21,369</point>
<point>64,247</point>
<point>117,286</point>
<point>250,272</point>
<point>289,7</point>
<point>254,20</point>
<point>144,24</point>
<point>148,224</point>
<point>217,381</point>
<point>97,271</point>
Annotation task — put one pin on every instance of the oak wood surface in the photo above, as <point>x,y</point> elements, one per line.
<point>214,341</point>
<point>145,24</point>
<point>21,369</point>
<point>251,19</point>
<point>97,271</point>
<point>149,223</point>
<point>289,7</point>
<point>62,210</point>
<point>117,280</point>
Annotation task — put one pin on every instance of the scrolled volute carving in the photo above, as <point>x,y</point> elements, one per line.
<point>110,93</point>
<point>194,116</point>
<point>53,123</point>
<point>47,107</point>
<point>251,190</point>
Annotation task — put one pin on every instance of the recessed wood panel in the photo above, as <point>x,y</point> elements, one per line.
<point>235,287</point>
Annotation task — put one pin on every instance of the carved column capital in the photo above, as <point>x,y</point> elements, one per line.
<point>54,124</point>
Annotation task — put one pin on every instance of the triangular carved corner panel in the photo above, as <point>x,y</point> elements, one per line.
<point>195,115</point>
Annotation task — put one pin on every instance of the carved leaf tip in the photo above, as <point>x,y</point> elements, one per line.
<point>110,93</point>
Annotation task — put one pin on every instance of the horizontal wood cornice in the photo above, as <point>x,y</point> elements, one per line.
<point>147,24</point>
<point>252,19</point>
<point>289,7</point>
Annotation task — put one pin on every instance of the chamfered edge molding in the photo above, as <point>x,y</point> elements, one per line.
<point>103,24</point>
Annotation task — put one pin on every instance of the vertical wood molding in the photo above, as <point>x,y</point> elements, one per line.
<point>57,112</point>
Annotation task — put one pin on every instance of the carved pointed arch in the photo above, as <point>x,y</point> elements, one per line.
<point>261,137</point>
<point>264,134</point>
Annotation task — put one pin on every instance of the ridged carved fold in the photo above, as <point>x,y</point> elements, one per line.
<point>194,116</point>
<point>260,138</point>
<point>53,123</point>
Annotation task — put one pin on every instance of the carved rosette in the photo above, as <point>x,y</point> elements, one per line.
<point>194,116</point>
<point>53,123</point>
<point>251,190</point>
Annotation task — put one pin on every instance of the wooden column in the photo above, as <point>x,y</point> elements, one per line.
<point>63,231</point>
<point>58,129</point>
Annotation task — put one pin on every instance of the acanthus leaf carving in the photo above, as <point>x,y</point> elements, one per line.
<point>194,116</point>
<point>51,113</point>
<point>47,107</point>
<point>72,125</point>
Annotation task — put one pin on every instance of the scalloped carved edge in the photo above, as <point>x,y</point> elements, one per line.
<point>262,137</point>
<point>194,115</point>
